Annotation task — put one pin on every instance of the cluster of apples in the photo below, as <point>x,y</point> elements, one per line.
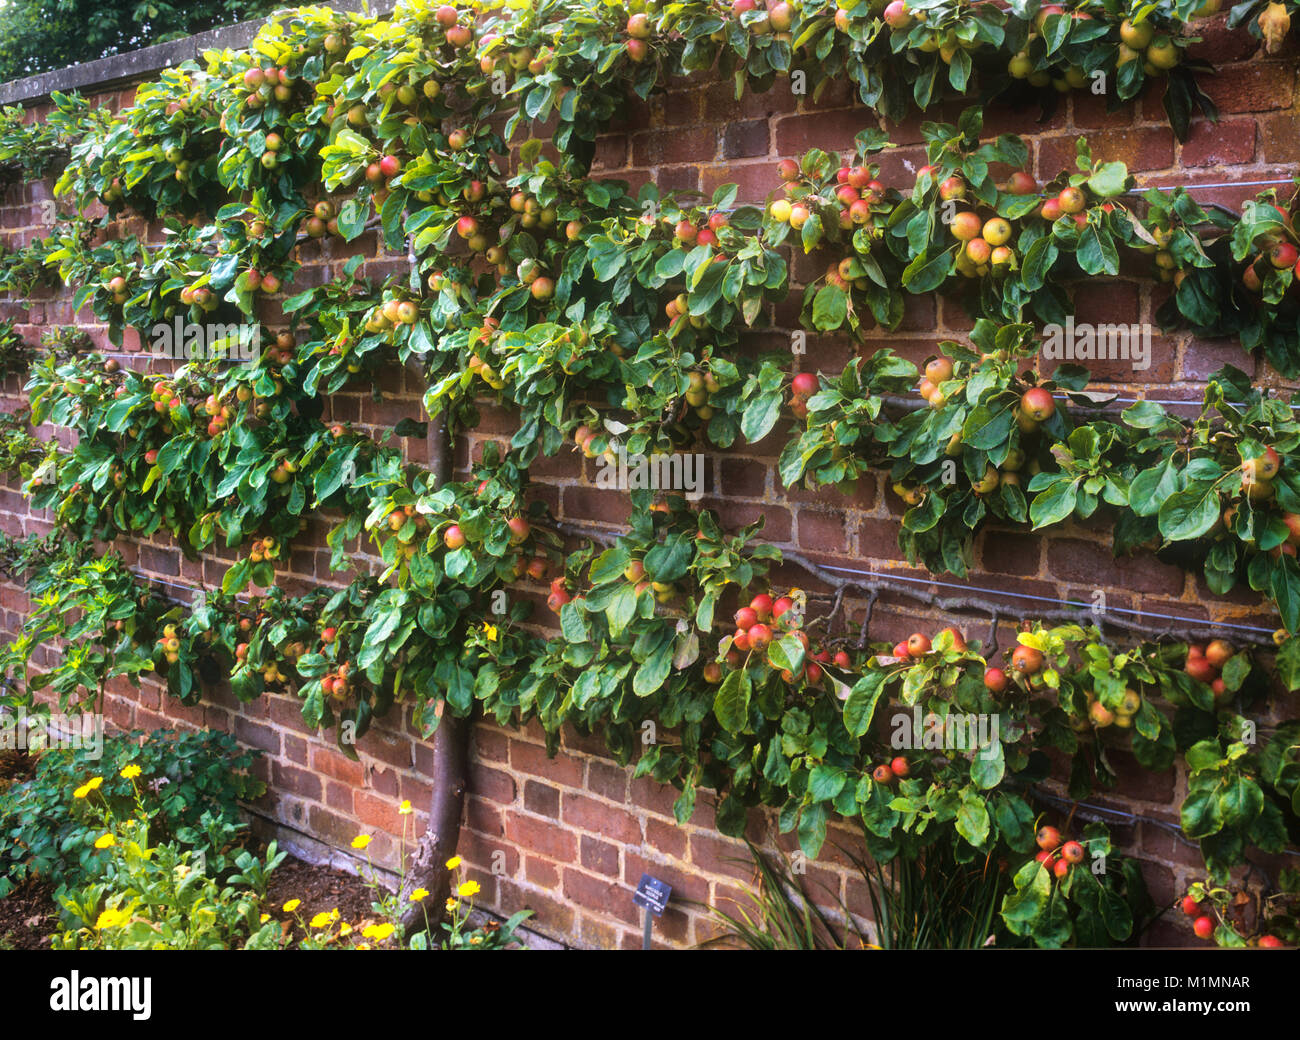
<point>263,549</point>
<point>1205,664</point>
<point>700,386</point>
<point>1026,663</point>
<point>802,386</point>
<point>888,772</point>
<point>1059,857</point>
<point>170,644</point>
<point>1100,716</point>
<point>261,85</point>
<point>983,236</point>
<point>584,437</point>
<point>393,313</point>
<point>1257,477</point>
<point>688,233</point>
<point>323,220</point>
<point>219,415</point>
<point>898,16</point>
<point>764,621</point>
<point>1272,250</point>
<point>918,644</point>
<point>1203,923</point>
<point>857,190</point>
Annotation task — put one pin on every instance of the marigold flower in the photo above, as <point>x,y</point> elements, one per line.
<point>111,919</point>
<point>322,920</point>
<point>419,895</point>
<point>361,841</point>
<point>105,841</point>
<point>453,863</point>
<point>292,905</point>
<point>93,784</point>
<point>131,772</point>
<point>378,932</point>
<point>469,888</point>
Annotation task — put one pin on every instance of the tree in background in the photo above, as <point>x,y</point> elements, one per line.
<point>40,35</point>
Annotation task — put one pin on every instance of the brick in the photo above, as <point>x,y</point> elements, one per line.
<point>541,799</point>
<point>1258,87</point>
<point>1086,563</point>
<point>539,836</point>
<point>608,821</point>
<point>531,758</point>
<point>1210,144</point>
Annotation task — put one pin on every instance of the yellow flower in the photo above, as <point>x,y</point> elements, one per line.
<point>378,932</point>
<point>292,905</point>
<point>131,772</point>
<point>453,863</point>
<point>345,929</point>
<point>322,920</point>
<point>93,784</point>
<point>362,946</point>
<point>474,940</point>
<point>263,919</point>
<point>111,919</point>
<point>105,841</point>
<point>469,888</point>
<point>405,808</point>
<point>361,841</point>
<point>419,895</point>
<point>452,904</point>
<point>491,631</point>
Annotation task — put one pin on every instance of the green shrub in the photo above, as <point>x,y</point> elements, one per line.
<point>195,781</point>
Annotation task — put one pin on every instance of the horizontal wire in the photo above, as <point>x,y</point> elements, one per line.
<point>885,575</point>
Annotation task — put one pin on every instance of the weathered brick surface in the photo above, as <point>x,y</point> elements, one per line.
<point>569,836</point>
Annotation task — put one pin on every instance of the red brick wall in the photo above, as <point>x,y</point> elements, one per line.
<point>572,834</point>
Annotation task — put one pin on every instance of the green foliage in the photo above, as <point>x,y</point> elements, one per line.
<point>195,780</point>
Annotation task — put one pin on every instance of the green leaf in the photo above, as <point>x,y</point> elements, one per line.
<point>731,705</point>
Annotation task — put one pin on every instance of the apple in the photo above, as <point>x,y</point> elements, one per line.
<point>1026,660</point>
<point>1021,183</point>
<point>762,606</point>
<point>1218,652</point>
<point>638,26</point>
<point>390,166</point>
<point>1203,926</point>
<point>966,225</point>
<point>1048,838</point>
<point>1072,200</point>
<point>995,680</point>
<point>760,636</point>
<point>882,774</point>
<point>637,50</point>
<point>328,635</point>
<point>453,538</point>
<point>805,384</point>
<point>1263,467</point>
<point>519,529</point>
<point>1061,868</point>
<point>467,227</point>
<point>918,644</point>
<point>1038,404</point>
<point>788,170</point>
<point>899,767</point>
<point>897,16</point>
